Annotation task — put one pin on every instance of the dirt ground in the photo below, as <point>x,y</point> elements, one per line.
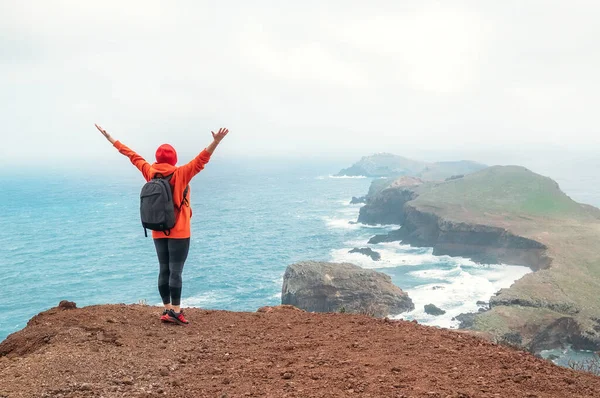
<point>124,351</point>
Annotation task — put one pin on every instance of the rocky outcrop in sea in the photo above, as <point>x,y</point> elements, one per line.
<point>367,251</point>
<point>342,287</point>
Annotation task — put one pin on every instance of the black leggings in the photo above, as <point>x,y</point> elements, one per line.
<point>172,254</point>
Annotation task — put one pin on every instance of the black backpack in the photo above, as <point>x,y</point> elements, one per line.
<point>157,210</point>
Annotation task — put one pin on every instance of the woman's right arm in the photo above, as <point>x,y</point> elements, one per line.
<point>189,170</point>
<point>136,159</point>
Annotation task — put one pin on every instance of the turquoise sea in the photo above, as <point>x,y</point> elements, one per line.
<point>76,236</point>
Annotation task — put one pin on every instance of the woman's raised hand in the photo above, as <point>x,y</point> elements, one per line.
<point>220,134</point>
<point>108,137</point>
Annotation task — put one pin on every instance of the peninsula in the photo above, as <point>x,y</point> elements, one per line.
<point>510,215</point>
<point>389,165</point>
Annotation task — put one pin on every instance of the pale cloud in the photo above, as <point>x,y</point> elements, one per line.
<point>307,78</point>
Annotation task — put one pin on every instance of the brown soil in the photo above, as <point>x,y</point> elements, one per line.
<point>124,351</point>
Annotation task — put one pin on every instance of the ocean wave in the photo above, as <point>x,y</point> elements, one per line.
<point>357,243</point>
<point>454,284</point>
<point>390,258</point>
<point>346,203</point>
<point>458,290</point>
<point>346,223</point>
<point>346,177</point>
<point>202,300</point>
<point>339,223</point>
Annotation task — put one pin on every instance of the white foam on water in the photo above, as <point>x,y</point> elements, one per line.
<point>459,290</point>
<point>454,290</point>
<point>563,356</point>
<point>343,177</point>
<point>391,257</point>
<point>357,243</point>
<point>346,203</point>
<point>340,223</point>
<point>350,212</point>
<point>347,215</point>
<point>350,223</point>
<point>205,299</point>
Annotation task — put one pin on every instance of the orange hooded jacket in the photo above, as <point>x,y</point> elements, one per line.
<point>181,178</point>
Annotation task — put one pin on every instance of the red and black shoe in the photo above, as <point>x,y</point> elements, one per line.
<point>165,316</point>
<point>177,317</point>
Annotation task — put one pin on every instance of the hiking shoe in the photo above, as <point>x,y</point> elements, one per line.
<point>165,316</point>
<point>177,317</point>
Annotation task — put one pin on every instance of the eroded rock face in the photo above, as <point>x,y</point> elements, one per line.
<point>466,320</point>
<point>562,332</point>
<point>488,217</point>
<point>386,207</point>
<point>392,236</point>
<point>334,287</point>
<point>481,243</point>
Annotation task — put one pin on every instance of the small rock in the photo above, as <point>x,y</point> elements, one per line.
<point>357,200</point>
<point>287,376</point>
<point>127,381</point>
<point>367,251</point>
<point>67,305</point>
<point>433,310</point>
<point>520,378</point>
<point>163,372</point>
<point>85,387</point>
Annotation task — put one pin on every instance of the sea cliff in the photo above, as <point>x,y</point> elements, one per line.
<point>513,216</point>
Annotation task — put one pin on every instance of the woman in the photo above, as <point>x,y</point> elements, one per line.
<point>172,250</point>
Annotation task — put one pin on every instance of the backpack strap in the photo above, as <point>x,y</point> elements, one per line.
<point>185,201</point>
<point>162,177</point>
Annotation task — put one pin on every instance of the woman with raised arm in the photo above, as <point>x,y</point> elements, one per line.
<point>172,246</point>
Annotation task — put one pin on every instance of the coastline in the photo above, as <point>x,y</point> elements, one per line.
<point>537,307</point>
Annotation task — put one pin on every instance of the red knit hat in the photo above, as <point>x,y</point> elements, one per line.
<point>166,154</point>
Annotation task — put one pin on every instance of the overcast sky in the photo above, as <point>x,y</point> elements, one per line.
<point>298,78</point>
